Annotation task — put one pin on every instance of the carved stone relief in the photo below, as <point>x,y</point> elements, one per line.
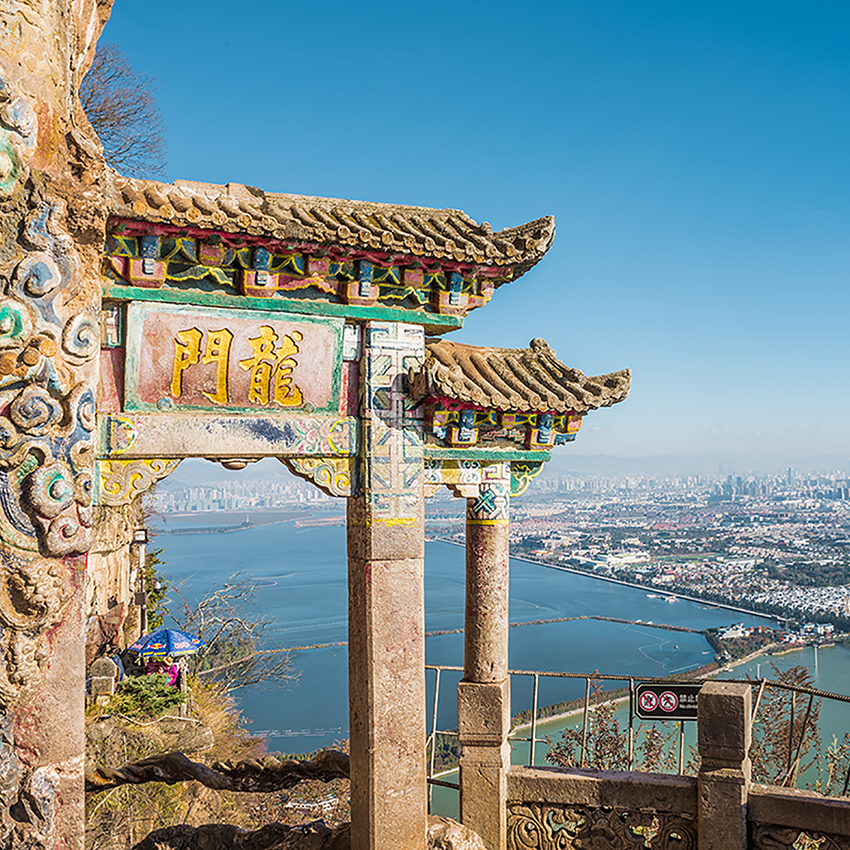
<point>46,345</point>
<point>542,826</point>
<point>33,594</point>
<point>52,227</point>
<point>768,837</point>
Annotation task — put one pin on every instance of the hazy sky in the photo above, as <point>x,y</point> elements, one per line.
<point>696,157</point>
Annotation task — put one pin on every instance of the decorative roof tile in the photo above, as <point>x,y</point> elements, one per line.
<point>446,234</point>
<point>513,379</point>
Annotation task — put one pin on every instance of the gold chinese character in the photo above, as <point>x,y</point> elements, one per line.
<point>217,351</point>
<point>286,393</point>
<point>271,368</point>
<point>187,351</point>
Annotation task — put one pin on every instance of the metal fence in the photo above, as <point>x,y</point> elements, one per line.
<point>796,730</point>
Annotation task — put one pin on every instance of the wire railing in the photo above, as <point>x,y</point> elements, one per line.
<point>796,731</point>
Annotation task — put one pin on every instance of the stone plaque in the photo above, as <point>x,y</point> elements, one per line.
<point>207,359</point>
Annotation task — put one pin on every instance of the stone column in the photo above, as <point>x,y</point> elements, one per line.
<point>724,729</point>
<point>386,619</point>
<point>52,232</point>
<point>484,702</point>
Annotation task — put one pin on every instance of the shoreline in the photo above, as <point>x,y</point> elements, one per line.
<point>220,529</point>
<point>645,587</point>
<point>795,648</point>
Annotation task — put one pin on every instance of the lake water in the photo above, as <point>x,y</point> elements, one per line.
<point>305,591</point>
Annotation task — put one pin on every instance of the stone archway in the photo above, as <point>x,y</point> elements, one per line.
<point>142,323</point>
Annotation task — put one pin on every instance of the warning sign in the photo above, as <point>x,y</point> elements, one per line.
<point>648,701</point>
<point>666,701</point>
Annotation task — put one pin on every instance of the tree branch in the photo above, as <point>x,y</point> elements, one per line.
<point>265,775</point>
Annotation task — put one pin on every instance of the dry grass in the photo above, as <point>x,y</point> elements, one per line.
<point>217,710</point>
<point>119,818</point>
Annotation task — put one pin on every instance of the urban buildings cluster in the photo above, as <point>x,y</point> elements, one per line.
<point>250,494</point>
<point>778,544</point>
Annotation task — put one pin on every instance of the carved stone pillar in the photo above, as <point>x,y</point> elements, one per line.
<point>386,619</point>
<point>724,729</point>
<point>52,225</point>
<point>484,693</point>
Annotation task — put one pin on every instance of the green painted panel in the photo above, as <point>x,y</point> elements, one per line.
<point>521,474</point>
<point>434,321</point>
<point>487,455</point>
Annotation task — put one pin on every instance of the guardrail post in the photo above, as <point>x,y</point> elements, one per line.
<point>724,731</point>
<point>484,693</point>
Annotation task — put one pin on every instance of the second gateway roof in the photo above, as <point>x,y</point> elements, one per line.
<point>519,379</point>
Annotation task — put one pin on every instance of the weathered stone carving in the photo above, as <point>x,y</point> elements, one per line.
<point>332,475</point>
<point>769,837</point>
<point>81,337</point>
<point>33,595</point>
<point>543,826</point>
<point>45,442</point>
<point>122,480</point>
<point>33,812</point>
<point>446,834</point>
<point>53,225</point>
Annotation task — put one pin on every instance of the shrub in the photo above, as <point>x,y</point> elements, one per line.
<point>146,696</point>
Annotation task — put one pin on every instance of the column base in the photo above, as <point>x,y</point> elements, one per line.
<point>484,721</point>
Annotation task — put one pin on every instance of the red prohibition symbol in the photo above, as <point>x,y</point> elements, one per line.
<point>668,701</point>
<point>648,701</point>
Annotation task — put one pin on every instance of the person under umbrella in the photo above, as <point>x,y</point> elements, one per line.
<point>166,666</point>
<point>159,649</point>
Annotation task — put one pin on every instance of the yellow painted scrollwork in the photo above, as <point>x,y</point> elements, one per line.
<point>332,475</point>
<point>122,480</point>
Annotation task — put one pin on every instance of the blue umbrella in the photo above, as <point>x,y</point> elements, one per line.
<point>165,642</point>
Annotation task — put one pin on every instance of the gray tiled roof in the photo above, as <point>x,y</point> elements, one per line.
<point>517,379</point>
<point>391,228</point>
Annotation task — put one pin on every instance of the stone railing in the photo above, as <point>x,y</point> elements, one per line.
<point>581,806</point>
<point>719,809</point>
<point>782,819</point>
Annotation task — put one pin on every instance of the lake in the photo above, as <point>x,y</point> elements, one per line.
<point>304,588</point>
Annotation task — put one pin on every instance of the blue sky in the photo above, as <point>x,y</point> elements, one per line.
<point>695,156</point>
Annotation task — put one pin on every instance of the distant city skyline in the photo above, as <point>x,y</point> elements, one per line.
<point>694,156</point>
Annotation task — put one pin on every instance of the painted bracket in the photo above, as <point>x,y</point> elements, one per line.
<point>522,471</point>
<point>120,481</point>
<point>465,477</point>
<point>332,475</point>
